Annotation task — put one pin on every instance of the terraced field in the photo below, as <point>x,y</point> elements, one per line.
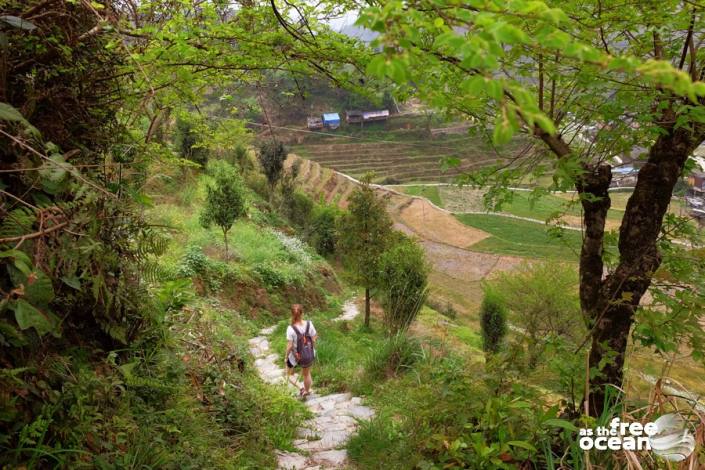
<point>402,162</point>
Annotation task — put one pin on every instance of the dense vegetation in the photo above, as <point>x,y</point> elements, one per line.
<point>151,223</point>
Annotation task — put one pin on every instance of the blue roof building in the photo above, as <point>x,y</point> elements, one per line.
<point>331,120</point>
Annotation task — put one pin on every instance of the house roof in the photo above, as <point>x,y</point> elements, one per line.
<point>376,113</point>
<point>331,117</point>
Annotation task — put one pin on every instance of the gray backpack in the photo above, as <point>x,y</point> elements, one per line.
<point>304,347</point>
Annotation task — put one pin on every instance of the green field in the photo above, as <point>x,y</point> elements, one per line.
<point>522,238</point>
<point>429,192</point>
<point>519,203</point>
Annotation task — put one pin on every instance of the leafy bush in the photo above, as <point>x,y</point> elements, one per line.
<point>173,295</point>
<point>403,282</point>
<point>493,320</point>
<point>195,264</point>
<point>273,276</point>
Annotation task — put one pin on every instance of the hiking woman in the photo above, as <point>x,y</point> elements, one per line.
<point>300,347</point>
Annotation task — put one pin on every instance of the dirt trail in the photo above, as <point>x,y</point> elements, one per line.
<point>336,416</point>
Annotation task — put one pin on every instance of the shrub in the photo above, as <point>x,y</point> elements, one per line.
<point>543,302</point>
<point>493,320</point>
<point>298,209</point>
<point>172,295</point>
<point>257,182</point>
<point>273,276</point>
<point>240,157</point>
<point>323,232</point>
<point>395,355</point>
<point>187,142</point>
<point>404,283</point>
<point>212,273</point>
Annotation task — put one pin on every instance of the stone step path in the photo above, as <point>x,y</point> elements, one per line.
<point>321,439</point>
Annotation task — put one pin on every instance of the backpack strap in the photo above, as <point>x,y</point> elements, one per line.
<point>308,324</point>
<point>296,330</point>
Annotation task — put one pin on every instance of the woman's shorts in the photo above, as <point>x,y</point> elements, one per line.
<point>289,364</point>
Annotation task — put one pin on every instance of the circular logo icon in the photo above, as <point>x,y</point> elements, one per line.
<point>672,441</point>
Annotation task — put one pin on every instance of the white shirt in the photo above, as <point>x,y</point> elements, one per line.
<point>291,336</point>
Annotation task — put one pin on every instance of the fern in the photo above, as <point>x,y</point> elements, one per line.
<point>153,242</point>
<point>18,222</point>
<point>154,272</point>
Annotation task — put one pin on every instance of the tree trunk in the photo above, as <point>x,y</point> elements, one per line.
<point>225,239</point>
<point>610,304</point>
<point>367,307</point>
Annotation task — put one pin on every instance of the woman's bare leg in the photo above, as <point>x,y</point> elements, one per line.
<point>306,371</point>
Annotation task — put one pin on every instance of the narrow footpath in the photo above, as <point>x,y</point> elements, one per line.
<point>321,439</point>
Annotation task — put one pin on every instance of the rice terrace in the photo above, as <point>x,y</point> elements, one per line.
<point>352,235</point>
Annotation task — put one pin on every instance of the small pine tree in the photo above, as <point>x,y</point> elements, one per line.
<point>271,158</point>
<point>493,320</point>
<point>225,199</point>
<point>364,235</point>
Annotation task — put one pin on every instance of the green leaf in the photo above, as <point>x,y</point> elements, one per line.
<point>699,88</point>
<point>523,445</point>
<point>495,89</point>
<point>10,113</point>
<point>377,66</point>
<point>21,260</point>
<point>474,85</point>
<point>397,71</point>
<point>449,162</point>
<point>38,289</point>
<point>72,281</point>
<point>561,423</point>
<point>28,316</point>
<point>18,22</point>
<point>545,123</point>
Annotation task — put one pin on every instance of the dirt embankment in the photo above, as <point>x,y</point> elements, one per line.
<point>417,215</point>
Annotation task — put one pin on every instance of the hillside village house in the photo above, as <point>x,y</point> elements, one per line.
<point>354,117</point>
<point>331,120</point>
<point>314,123</point>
